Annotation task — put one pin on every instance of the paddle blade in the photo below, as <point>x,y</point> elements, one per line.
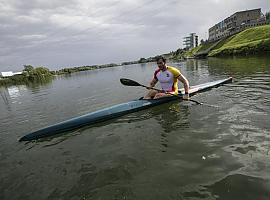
<point>129,82</point>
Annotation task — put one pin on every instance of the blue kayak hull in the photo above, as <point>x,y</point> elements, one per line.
<point>113,112</point>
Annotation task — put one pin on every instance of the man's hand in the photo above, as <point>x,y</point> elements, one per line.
<point>186,97</point>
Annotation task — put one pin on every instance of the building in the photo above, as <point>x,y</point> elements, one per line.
<point>191,41</point>
<point>9,73</point>
<point>237,22</point>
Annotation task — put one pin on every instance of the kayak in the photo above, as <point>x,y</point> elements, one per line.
<point>115,111</point>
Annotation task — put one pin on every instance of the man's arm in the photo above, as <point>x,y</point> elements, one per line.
<point>185,82</point>
<point>153,82</point>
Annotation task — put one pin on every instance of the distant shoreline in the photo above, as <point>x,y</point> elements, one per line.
<point>43,74</point>
<point>69,70</point>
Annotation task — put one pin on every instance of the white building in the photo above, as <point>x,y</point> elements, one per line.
<point>191,41</point>
<point>9,73</point>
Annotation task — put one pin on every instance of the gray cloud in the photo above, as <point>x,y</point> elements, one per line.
<point>77,32</point>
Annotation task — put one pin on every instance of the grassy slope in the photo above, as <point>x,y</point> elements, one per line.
<point>191,52</point>
<point>206,46</point>
<point>250,41</point>
<point>195,50</point>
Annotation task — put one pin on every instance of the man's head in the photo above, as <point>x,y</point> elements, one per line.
<point>161,62</point>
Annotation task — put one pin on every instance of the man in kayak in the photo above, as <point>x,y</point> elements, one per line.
<point>168,78</point>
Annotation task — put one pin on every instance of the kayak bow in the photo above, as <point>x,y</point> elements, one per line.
<point>114,111</point>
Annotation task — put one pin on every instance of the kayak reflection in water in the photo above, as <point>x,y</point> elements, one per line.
<point>168,77</point>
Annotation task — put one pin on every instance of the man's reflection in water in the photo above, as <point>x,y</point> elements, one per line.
<point>172,117</point>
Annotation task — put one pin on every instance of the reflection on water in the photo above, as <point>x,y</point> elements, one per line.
<point>11,95</point>
<point>176,150</point>
<point>230,187</point>
<point>249,123</point>
<point>170,116</point>
<point>239,67</point>
<point>13,92</point>
<point>5,98</point>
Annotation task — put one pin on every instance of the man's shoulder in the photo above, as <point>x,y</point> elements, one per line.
<point>156,72</point>
<point>171,67</point>
<point>174,70</point>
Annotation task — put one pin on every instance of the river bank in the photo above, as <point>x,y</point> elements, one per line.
<point>252,41</point>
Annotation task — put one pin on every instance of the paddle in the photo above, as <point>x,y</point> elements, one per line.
<point>129,82</point>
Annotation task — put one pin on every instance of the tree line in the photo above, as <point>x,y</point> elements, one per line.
<point>29,75</point>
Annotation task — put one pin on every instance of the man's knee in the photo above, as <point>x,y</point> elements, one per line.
<point>159,95</point>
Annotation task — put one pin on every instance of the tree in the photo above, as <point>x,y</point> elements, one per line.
<point>202,41</point>
<point>142,60</point>
<point>42,71</point>
<point>28,68</point>
<point>37,73</point>
<point>267,15</point>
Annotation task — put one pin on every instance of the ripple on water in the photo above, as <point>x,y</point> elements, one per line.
<point>239,186</point>
<point>246,121</point>
<point>233,187</point>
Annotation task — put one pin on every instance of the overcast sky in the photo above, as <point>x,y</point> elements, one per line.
<point>65,33</point>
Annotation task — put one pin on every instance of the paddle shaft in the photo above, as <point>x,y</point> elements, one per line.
<point>197,102</point>
<point>171,94</point>
<point>152,88</point>
<point>129,82</point>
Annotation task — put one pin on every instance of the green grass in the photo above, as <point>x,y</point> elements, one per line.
<point>251,41</point>
<point>206,46</point>
<point>191,52</point>
<point>199,49</point>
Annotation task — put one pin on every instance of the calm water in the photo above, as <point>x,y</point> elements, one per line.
<point>174,151</point>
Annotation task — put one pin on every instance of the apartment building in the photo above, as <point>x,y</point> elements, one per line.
<point>190,41</point>
<point>236,23</point>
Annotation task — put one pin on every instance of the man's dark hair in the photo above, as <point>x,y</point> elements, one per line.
<point>162,58</point>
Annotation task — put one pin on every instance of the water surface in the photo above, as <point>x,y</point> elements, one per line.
<point>178,150</point>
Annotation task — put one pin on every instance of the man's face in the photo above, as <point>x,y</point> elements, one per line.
<point>161,65</point>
